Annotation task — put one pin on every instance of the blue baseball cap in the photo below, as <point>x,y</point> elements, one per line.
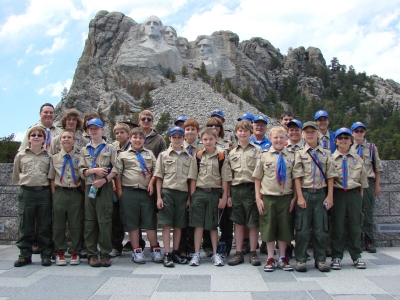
<point>356,125</point>
<point>246,117</point>
<point>95,122</point>
<point>176,129</point>
<point>342,130</point>
<point>319,114</point>
<point>180,119</point>
<point>295,122</point>
<point>261,118</point>
<point>218,113</point>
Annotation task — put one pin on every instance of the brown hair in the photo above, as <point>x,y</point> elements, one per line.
<point>191,122</point>
<point>209,130</point>
<point>67,130</point>
<point>216,120</point>
<point>121,126</point>
<point>72,113</point>
<point>37,128</point>
<point>89,115</point>
<point>244,124</point>
<point>137,131</point>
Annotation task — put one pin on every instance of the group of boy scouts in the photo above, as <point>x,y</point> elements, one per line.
<point>303,183</point>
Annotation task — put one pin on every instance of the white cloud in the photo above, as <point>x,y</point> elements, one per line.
<point>19,136</point>
<point>38,69</point>
<point>57,30</point>
<point>29,49</point>
<point>20,62</point>
<point>58,44</point>
<point>55,89</point>
<point>84,36</point>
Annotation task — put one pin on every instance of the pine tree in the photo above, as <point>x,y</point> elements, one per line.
<point>147,101</point>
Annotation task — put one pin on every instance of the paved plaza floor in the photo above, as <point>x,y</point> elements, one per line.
<point>127,280</point>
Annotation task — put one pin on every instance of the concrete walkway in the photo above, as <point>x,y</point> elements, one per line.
<point>126,280</point>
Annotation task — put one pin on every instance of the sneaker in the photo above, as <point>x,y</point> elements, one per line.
<point>322,266</point>
<point>270,265</point>
<point>369,247</point>
<point>176,257</point>
<point>83,254</point>
<point>301,267</point>
<point>114,253</point>
<point>335,264</point>
<point>156,255</point>
<point>167,260</point>
<point>236,259</point>
<point>218,260</point>
<point>94,261</point>
<point>138,256</point>
<point>46,261</point>
<point>284,264</point>
<point>127,247</point>
<point>263,248</point>
<point>196,258</point>
<point>105,261</point>
<point>359,264</point>
<point>60,259</point>
<point>75,260</point>
<point>22,261</point>
<point>253,259</point>
<point>246,247</point>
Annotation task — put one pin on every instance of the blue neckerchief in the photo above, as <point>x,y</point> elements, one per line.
<point>345,171</point>
<point>324,142</point>
<point>281,170</point>
<point>142,164</point>
<point>94,155</point>
<point>190,149</point>
<point>321,176</point>
<point>68,159</point>
<point>125,148</point>
<point>359,150</point>
<point>48,138</point>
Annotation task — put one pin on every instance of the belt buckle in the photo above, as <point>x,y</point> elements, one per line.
<point>207,190</point>
<point>312,191</point>
<point>37,188</point>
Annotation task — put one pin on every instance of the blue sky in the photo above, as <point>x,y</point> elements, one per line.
<point>42,40</point>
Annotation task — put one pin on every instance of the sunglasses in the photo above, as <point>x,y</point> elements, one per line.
<point>359,131</point>
<point>214,125</point>
<point>36,135</point>
<point>346,137</point>
<point>146,119</point>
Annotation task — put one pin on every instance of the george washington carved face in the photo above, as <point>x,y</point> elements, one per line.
<point>152,27</point>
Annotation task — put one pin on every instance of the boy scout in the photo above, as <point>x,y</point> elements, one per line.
<point>274,197</point>
<point>180,121</point>
<point>285,118</point>
<point>97,168</point>
<point>348,191</point>
<point>313,175</point>
<point>31,167</point>
<point>210,175</point>
<point>65,184</point>
<point>172,194</point>
<point>295,141</point>
<point>326,137</point>
<point>243,160</point>
<point>135,187</point>
<point>372,163</point>
<point>122,143</point>
<point>70,120</point>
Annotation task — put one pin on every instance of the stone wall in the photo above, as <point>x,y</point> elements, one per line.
<point>387,208</point>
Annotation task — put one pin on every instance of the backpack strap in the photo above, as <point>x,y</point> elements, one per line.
<point>221,158</point>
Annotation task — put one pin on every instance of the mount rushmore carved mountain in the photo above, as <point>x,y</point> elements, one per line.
<point>120,53</point>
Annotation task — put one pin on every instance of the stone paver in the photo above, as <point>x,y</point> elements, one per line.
<point>126,280</point>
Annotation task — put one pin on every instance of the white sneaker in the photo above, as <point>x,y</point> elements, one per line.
<point>156,255</point>
<point>114,253</point>
<point>138,256</point>
<point>196,258</point>
<point>60,259</point>
<point>218,260</point>
<point>75,260</point>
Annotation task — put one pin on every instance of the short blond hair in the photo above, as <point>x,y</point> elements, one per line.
<point>244,124</point>
<point>208,130</point>
<point>277,129</point>
<point>146,112</point>
<point>121,126</point>
<point>67,130</point>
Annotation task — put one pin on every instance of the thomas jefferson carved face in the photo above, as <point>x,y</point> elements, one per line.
<point>205,48</point>
<point>170,35</point>
<point>152,27</point>
<point>182,46</point>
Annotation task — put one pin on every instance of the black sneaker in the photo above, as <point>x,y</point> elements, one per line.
<point>46,261</point>
<point>167,260</point>
<point>22,261</point>
<point>176,257</point>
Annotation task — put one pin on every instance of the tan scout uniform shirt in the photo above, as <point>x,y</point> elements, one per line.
<point>229,135</point>
<point>173,169</point>
<point>80,142</point>
<point>117,147</point>
<point>327,135</point>
<point>266,172</point>
<point>356,177</point>
<point>54,131</point>
<point>105,159</point>
<point>243,161</point>
<point>31,169</point>
<point>367,160</point>
<point>56,164</point>
<point>224,146</point>
<point>129,171</point>
<point>295,147</point>
<point>303,167</point>
<point>196,146</point>
<point>208,175</point>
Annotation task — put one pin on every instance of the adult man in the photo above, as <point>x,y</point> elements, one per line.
<point>369,153</point>
<point>46,114</point>
<point>259,130</point>
<point>326,137</point>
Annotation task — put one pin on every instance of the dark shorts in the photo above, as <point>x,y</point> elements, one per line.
<point>204,209</point>
<point>174,211</point>
<point>244,207</point>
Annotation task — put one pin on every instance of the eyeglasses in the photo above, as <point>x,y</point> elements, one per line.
<point>214,125</point>
<point>146,119</point>
<point>359,131</point>
<point>346,137</point>
<point>36,135</point>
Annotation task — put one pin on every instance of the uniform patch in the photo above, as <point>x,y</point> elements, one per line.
<point>367,146</point>
<point>46,155</point>
<point>79,142</point>
<point>187,157</point>
<point>304,158</point>
<point>323,154</point>
<point>355,161</point>
<point>147,153</point>
<point>288,160</point>
<point>268,164</point>
<point>222,146</point>
<point>254,150</point>
<point>106,149</point>
<point>76,160</point>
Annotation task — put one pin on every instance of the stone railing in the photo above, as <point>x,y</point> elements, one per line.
<point>387,207</point>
